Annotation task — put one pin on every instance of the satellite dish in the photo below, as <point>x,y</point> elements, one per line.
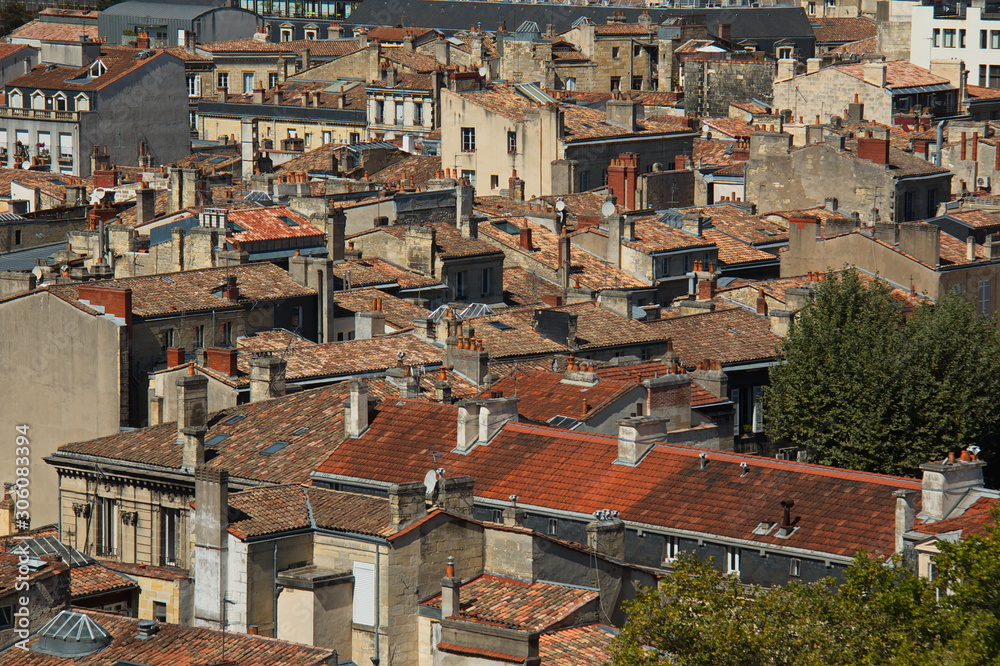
<point>608,209</point>
<point>560,205</point>
<point>26,164</point>
<point>748,117</point>
<point>482,72</point>
<point>96,195</point>
<point>430,481</point>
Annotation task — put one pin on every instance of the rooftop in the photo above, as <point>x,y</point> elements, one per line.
<point>54,77</point>
<point>730,336</point>
<point>96,579</point>
<point>898,74</point>
<point>544,395</point>
<point>448,240</point>
<point>48,31</point>
<point>587,645</point>
<point>399,313</point>
<point>842,30</point>
<point>372,271</point>
<point>318,48</point>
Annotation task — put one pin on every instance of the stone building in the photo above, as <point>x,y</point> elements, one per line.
<point>46,595</point>
<point>868,178</point>
<point>711,84</point>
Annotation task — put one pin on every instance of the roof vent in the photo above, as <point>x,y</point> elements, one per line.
<point>702,460</point>
<point>744,469</point>
<point>71,635</point>
<point>148,628</point>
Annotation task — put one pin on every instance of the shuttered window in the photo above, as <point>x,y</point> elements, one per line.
<point>364,593</point>
<point>65,145</point>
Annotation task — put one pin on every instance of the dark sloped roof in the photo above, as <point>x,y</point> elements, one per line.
<point>274,509</point>
<point>164,10</point>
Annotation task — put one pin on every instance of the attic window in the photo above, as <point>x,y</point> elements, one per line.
<point>507,227</point>
<point>274,448</point>
<point>500,326</point>
<point>235,418</point>
<point>764,527</point>
<point>289,221</point>
<point>215,440</point>
<point>300,431</point>
<point>235,227</point>
<point>97,69</point>
<point>167,280</point>
<point>736,331</point>
<point>767,232</point>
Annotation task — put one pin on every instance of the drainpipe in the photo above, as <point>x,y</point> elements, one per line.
<point>378,607</point>
<point>940,142</point>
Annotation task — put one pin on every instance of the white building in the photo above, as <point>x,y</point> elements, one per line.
<point>956,31</point>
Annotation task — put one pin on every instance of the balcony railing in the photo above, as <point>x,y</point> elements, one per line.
<point>38,114</point>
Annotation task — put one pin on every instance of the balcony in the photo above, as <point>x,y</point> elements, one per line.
<point>38,114</point>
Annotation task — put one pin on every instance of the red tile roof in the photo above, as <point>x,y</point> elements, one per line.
<point>734,127</point>
<point>977,218</point>
<point>321,48</point>
<point>522,287</point>
<point>972,521</point>
<point>411,171</point>
<point>9,564</point>
<point>94,579</point>
<point>981,92</point>
<point>622,29</point>
<point>147,571</point>
<point>275,509</point>
<point>836,511</point>
<point>587,645</point>
<point>399,313</point>
<point>742,225</point>
<point>898,74</point>
<point>517,604</point>
<point>176,645</point>
<point>49,31</point>
<point>729,336</point>
<point>199,290</point>
<point>842,30</point>
<point>448,240</point>
<point>272,223</point>
<point>372,271</point>
<point>62,78</point>
<point>319,411</point>
<point>543,394</point>
<point>860,47</point>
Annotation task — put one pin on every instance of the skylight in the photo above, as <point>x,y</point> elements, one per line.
<point>167,280</point>
<point>300,431</point>
<point>274,448</point>
<point>500,326</point>
<point>215,440</point>
<point>235,418</point>
<point>289,221</point>
<point>507,227</point>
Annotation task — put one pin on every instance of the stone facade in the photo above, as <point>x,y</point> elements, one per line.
<point>710,84</point>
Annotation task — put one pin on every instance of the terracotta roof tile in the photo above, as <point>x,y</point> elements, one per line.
<point>622,29</point>
<point>517,604</point>
<point>271,223</point>
<point>50,31</point>
<point>741,224</point>
<point>981,92</point>
<point>382,388</point>
<point>522,287</point>
<point>274,340</point>
<point>977,218</point>
<point>653,236</point>
<point>176,645</point>
<point>293,91</point>
<point>318,160</point>
<point>93,579</point>
<point>972,521</point>
<point>729,336</point>
<point>836,511</point>
<point>321,48</point>
<point>842,30</point>
<point>860,47</point>
<point>543,394</point>
<point>372,271</point>
<point>399,313</point>
<point>275,509</point>
<point>733,252</point>
<point>898,74</point>
<point>588,645</point>
<point>199,290</point>
<point>734,127</point>
<point>320,411</point>
<point>76,78</point>
<point>448,240</point>
<point>413,60</point>
<point>411,171</point>
<point>147,571</point>
<point>711,152</point>
<point>395,33</point>
<point>9,572</point>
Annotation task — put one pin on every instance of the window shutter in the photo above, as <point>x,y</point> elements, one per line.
<point>364,593</point>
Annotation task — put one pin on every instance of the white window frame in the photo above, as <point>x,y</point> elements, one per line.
<point>670,548</point>
<point>984,294</point>
<point>733,560</point>
<point>468,135</point>
<point>795,568</point>
<point>222,80</point>
<point>364,602</point>
<point>16,99</point>
<point>82,102</point>
<point>194,85</point>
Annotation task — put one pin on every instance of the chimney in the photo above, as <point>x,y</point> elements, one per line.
<point>211,540</point>
<point>565,261</point>
<point>142,39</point>
<point>192,419</point>
<point>370,324</point>
<point>442,388</point>
<point>875,150</point>
<point>524,239</point>
<point>922,241</point>
<point>468,425</point>
<point>450,586</point>
<point>761,302</point>
<point>493,414</point>
<point>407,503</point>
<point>442,52</point>
<point>970,248</point>
<point>558,326</point>
<point>115,300</point>
<point>606,536</point>
<point>905,515</point>
<point>513,516</point>
<point>267,378</point>
<point>724,31</point>
<point>306,59</point>
<point>637,435</point>
<point>454,495</point>
<point>145,205</point>
<point>221,360</point>
<point>813,65</point>
<point>258,95</point>
<point>623,173</point>
<point>669,397</point>
<point>946,483</point>
<point>874,73</point>
<point>709,376</point>
<point>623,113</point>
<point>419,245</point>
<point>515,187</point>
<point>335,31</point>
<point>356,418</point>
<point>175,356</point>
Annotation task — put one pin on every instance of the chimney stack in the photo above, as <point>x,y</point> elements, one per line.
<point>636,437</point>
<point>450,585</point>
<point>455,495</point>
<point>175,356</point>
<point>267,378</point>
<point>407,503</point>
<point>211,541</point>
<point>222,360</point>
<point>356,419</point>
<point>947,482</point>
<point>606,535</point>
<point>370,324</point>
<point>192,419</point>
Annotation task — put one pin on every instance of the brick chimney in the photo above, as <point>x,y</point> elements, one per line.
<point>709,376</point>
<point>622,175</point>
<point>524,239</point>
<point>669,397</point>
<point>356,414</point>
<point>192,419</point>
<point>370,324</point>
<point>221,360</point>
<point>113,300</point>
<point>231,292</point>
<point>515,187</point>
<point>637,436</point>
<point>175,356</point>
<point>875,150</point>
<point>211,543</point>
<point>947,482</point>
<point>451,604</point>
<point>407,503</point>
<point>606,536</point>
<point>267,378</point>
<point>454,494</point>
<point>142,39</point>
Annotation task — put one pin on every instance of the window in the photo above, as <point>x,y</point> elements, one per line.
<point>307,139</point>
<point>199,337</point>
<point>399,114</point>
<point>636,83</point>
<point>310,34</point>
<point>65,145</point>
<point>364,593</point>
<point>459,284</point>
<point>355,137</point>
<point>470,176</point>
<point>937,37</point>
<point>379,111</point>
<point>785,52</point>
<point>584,178</point>
<point>982,39</point>
<point>670,549</point>
<point>486,282</point>
<point>468,139</point>
<point>6,617</point>
<point>553,526</point>
<point>994,39</point>
<point>949,38</point>
<point>17,237</point>
<point>296,318</point>
<point>570,83</point>
<point>494,182</point>
<point>247,82</point>
<point>170,520</point>
<point>327,136</point>
<point>831,3</point>
<point>615,52</point>
<point>272,79</point>
<point>16,100</point>
<point>226,334</point>
<point>961,39</point>
<point>994,76</point>
<point>795,568</point>
<point>222,80</point>
<point>60,102</point>
<point>159,611</point>
<point>107,527</point>
<point>811,9</point>
<point>512,142</point>
<point>286,34</point>
<point>616,83</point>
<point>418,113</point>
<point>194,85</point>
<point>931,203</point>
<point>983,301</point>
<point>732,560</point>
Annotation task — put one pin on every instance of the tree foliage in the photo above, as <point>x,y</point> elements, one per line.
<point>882,613</point>
<point>864,386</point>
<point>13,15</point>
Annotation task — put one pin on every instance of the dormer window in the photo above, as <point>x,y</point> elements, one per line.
<point>37,100</point>
<point>82,102</point>
<point>97,69</point>
<point>16,99</point>
<point>60,102</point>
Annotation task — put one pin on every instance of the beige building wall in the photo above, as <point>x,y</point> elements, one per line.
<point>828,92</point>
<point>64,374</point>
<point>312,133</point>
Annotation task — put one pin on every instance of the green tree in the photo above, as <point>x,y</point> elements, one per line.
<point>13,15</point>
<point>863,386</point>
